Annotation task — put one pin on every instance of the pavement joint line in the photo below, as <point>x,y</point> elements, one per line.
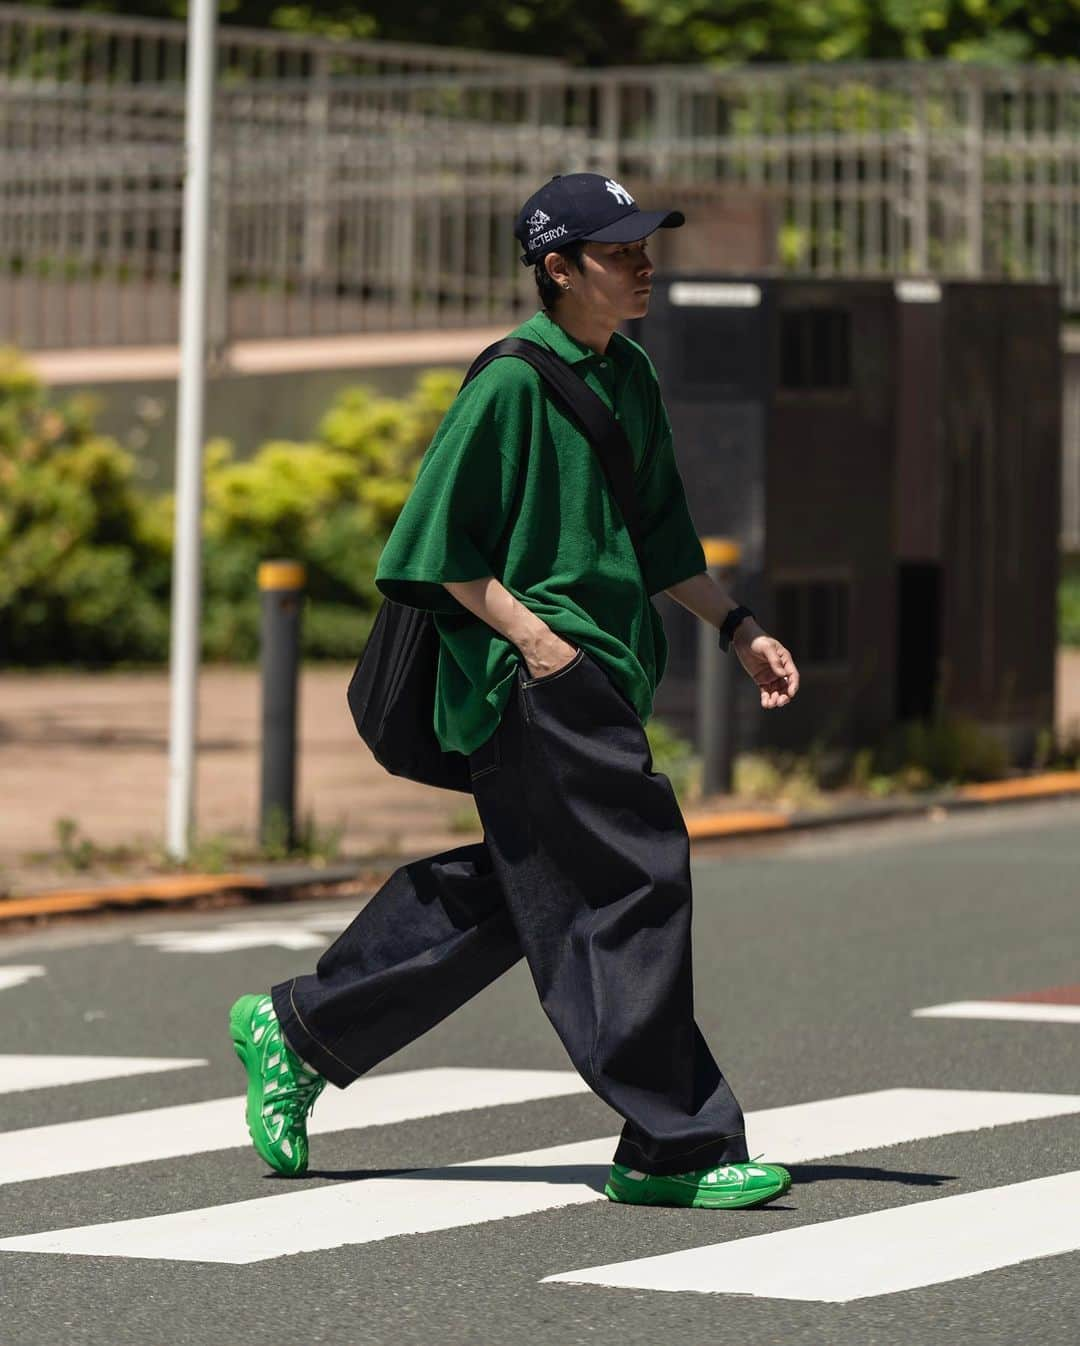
<point>701,826</point>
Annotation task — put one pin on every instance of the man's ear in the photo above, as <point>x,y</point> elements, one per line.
<point>557,267</point>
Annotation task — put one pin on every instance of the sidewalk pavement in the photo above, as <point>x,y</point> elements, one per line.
<point>92,748</point>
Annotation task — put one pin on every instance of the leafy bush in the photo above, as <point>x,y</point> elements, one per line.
<point>86,556</point>
<point>773,776</point>
<point>1058,750</point>
<point>1069,606</point>
<point>74,559</point>
<point>330,503</point>
<point>913,757</point>
<point>675,758</point>
<point>951,748</point>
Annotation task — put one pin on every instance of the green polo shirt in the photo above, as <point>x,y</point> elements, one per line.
<point>511,487</point>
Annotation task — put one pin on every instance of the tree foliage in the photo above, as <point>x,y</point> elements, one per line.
<point>612,32</point>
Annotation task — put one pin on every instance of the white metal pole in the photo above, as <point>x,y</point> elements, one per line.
<point>187,537</point>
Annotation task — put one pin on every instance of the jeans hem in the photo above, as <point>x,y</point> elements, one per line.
<point>303,1044</point>
<point>725,1150</point>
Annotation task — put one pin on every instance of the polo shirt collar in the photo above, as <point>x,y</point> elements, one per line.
<point>560,341</point>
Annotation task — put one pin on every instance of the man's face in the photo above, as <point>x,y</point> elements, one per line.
<point>617,281</point>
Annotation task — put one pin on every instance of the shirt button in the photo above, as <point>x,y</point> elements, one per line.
<point>603,364</point>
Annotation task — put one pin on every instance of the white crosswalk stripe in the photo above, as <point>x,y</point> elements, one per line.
<point>1019,1011</point>
<point>520,1184</point>
<point>196,1128</point>
<point>19,1073</point>
<point>243,935</point>
<point>876,1254</point>
<point>350,1213</point>
<point>15,974</point>
<point>308,933</point>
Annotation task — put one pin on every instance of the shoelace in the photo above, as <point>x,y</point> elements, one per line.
<point>294,1100</point>
<point>298,1102</point>
<point>724,1169</point>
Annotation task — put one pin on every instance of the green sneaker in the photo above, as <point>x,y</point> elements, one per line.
<point>726,1187</point>
<point>281,1089</point>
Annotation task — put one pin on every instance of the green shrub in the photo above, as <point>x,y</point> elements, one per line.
<point>950,748</point>
<point>675,758</point>
<point>86,555</point>
<point>74,562</point>
<point>1058,750</point>
<point>772,776</point>
<point>1069,607</point>
<point>329,503</point>
<point>911,758</point>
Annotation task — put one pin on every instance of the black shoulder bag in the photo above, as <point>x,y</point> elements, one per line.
<point>392,691</point>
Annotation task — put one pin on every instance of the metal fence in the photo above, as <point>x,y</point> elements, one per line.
<point>369,186</point>
<point>387,226</point>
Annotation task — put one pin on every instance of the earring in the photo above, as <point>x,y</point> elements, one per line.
<point>566,285</point>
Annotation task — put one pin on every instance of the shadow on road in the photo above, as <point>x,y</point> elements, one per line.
<point>805,1173</point>
<point>580,1175</point>
<point>594,1176</point>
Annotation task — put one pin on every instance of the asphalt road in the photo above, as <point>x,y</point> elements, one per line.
<point>812,955</point>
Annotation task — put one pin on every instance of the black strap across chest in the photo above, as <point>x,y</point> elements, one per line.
<point>601,428</point>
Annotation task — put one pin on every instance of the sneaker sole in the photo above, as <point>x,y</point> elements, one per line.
<point>247,1051</point>
<point>700,1200</point>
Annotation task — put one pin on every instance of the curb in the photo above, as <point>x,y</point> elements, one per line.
<point>1050,785</point>
<point>176,889</point>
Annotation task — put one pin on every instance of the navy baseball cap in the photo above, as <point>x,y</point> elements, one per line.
<point>584,206</point>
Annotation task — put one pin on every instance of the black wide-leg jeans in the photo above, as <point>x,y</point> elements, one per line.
<point>585,870</point>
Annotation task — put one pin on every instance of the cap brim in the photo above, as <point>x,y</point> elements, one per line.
<point>638,224</point>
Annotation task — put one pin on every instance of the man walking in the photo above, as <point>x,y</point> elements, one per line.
<point>550,651</point>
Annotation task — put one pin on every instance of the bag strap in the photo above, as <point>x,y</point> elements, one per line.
<point>604,432</point>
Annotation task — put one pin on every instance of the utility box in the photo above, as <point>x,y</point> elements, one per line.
<point>888,456</point>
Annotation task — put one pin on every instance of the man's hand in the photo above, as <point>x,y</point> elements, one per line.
<point>768,663</point>
<point>546,654</point>
<point>542,650</point>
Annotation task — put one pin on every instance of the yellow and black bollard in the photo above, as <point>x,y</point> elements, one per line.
<point>716,680</point>
<point>281,588</point>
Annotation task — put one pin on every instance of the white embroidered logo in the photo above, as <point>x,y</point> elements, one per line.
<point>619,193</point>
<point>537,221</point>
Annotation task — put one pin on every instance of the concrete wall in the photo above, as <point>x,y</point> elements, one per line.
<point>279,390</point>
<point>269,390</point>
<point>249,409</point>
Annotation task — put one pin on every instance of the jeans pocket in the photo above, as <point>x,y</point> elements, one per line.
<point>550,677</point>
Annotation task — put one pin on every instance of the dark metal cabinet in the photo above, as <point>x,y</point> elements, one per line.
<point>887,454</point>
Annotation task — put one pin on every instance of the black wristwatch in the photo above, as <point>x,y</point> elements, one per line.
<point>731,621</point>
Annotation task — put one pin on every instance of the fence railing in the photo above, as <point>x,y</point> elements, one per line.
<point>382,227</point>
<point>366,185</point>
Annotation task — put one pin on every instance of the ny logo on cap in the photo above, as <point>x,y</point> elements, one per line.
<point>619,193</point>
<point>537,221</point>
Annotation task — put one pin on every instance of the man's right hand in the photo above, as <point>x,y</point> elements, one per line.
<point>543,651</point>
<point>547,654</point>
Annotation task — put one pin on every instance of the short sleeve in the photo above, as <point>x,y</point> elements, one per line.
<point>672,551</point>
<point>459,506</point>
